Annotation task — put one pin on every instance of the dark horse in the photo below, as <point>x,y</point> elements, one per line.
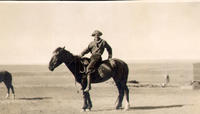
<point>6,77</point>
<point>115,68</point>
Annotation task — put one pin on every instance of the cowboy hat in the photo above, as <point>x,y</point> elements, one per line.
<point>97,32</point>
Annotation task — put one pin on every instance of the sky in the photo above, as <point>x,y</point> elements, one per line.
<point>30,32</point>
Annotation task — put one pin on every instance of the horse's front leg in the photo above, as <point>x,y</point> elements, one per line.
<point>89,101</point>
<point>13,91</point>
<point>85,103</point>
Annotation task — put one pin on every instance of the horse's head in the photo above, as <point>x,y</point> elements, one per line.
<point>60,55</point>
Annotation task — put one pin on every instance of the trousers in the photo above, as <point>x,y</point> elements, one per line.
<point>94,59</point>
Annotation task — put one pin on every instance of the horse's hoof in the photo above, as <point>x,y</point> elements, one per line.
<point>88,110</point>
<point>83,110</point>
<point>118,107</point>
<point>127,107</point>
<point>7,96</point>
<point>85,107</point>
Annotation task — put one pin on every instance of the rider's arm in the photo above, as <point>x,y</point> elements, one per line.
<point>109,49</point>
<point>87,50</point>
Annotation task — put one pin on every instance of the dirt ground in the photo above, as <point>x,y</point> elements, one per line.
<point>39,91</point>
<point>58,95</point>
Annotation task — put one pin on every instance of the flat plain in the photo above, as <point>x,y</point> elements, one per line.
<point>39,91</point>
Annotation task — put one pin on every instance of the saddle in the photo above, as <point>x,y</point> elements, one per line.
<point>85,62</point>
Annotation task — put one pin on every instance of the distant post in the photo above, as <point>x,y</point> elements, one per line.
<point>196,76</point>
<point>167,80</point>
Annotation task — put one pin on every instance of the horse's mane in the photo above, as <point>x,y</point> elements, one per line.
<point>57,50</point>
<point>62,49</point>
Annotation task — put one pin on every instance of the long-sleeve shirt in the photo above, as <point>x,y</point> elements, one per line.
<point>97,47</point>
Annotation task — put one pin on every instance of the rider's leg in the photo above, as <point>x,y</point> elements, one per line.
<point>89,72</point>
<point>91,68</point>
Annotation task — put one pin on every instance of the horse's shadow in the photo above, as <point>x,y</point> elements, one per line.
<point>34,98</point>
<point>155,107</point>
<point>144,108</point>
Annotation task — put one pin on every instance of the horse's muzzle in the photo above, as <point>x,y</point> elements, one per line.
<point>51,68</point>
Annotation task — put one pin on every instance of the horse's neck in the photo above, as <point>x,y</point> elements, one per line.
<point>74,68</point>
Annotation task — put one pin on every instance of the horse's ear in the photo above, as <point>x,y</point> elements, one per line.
<point>62,48</point>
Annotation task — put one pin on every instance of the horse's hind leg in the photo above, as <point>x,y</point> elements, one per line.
<point>13,91</point>
<point>89,101</point>
<point>127,98</point>
<point>9,86</point>
<point>121,95</point>
<point>8,89</point>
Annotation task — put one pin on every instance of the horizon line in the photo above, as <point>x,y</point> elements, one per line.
<point>127,61</point>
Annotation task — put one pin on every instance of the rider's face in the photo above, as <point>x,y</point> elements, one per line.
<point>96,37</point>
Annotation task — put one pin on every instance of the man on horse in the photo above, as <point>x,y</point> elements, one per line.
<point>96,48</point>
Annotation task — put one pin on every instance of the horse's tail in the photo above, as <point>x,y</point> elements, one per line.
<point>117,100</point>
<point>122,67</point>
<point>126,71</point>
<point>120,77</point>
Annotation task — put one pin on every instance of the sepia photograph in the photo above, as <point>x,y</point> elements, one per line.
<point>100,57</point>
